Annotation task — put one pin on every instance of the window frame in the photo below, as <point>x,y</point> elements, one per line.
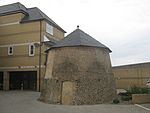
<point>30,48</point>
<point>49,29</point>
<point>12,51</point>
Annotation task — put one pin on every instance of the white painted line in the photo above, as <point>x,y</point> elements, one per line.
<point>142,107</point>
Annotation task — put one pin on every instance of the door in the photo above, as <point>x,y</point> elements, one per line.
<point>67,93</point>
<point>1,80</point>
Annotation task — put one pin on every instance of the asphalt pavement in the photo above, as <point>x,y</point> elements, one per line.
<point>26,102</point>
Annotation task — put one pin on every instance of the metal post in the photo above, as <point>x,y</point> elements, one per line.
<point>40,55</point>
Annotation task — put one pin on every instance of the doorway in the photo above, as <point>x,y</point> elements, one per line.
<point>67,93</point>
<point>23,80</point>
<point>1,80</point>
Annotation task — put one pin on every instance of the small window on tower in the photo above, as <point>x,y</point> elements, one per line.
<point>31,50</point>
<point>10,50</point>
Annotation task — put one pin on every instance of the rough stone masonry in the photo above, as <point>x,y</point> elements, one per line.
<point>78,72</point>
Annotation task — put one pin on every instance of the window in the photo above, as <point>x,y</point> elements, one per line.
<point>46,39</point>
<point>49,28</point>
<point>10,50</point>
<point>31,50</point>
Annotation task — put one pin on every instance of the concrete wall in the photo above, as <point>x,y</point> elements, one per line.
<point>130,75</point>
<point>88,68</point>
<point>140,98</point>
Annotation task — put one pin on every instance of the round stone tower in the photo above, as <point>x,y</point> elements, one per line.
<point>78,72</point>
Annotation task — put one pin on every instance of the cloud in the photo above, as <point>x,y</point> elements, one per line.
<point>133,50</point>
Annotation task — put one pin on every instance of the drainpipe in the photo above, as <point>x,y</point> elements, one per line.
<point>40,55</point>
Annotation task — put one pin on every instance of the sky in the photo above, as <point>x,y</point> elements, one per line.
<point>121,25</point>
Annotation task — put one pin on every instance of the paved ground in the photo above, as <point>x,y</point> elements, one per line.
<point>26,102</point>
<point>146,105</point>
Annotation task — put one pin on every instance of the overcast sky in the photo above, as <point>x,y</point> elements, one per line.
<point>122,25</point>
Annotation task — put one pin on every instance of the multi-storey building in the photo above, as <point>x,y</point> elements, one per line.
<point>25,34</point>
<point>132,75</point>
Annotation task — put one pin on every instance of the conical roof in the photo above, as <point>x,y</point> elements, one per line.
<point>79,38</point>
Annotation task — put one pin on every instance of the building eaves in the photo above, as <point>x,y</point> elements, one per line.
<point>13,8</point>
<point>131,65</point>
<point>36,14</point>
<point>50,43</point>
<point>31,14</point>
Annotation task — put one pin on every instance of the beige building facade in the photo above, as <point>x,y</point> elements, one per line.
<point>132,75</point>
<point>25,34</point>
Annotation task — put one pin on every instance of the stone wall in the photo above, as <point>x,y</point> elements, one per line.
<point>94,91</point>
<point>88,68</point>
